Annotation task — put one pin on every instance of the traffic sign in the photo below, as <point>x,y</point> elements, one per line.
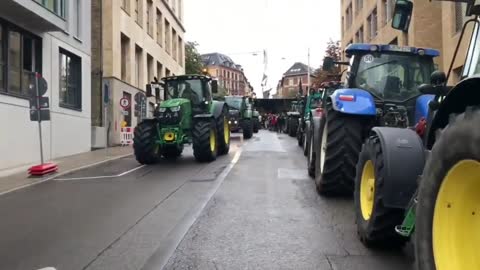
<point>125,103</point>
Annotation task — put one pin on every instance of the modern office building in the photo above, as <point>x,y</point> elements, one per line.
<point>50,37</point>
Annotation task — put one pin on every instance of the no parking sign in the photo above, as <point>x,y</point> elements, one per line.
<point>125,103</point>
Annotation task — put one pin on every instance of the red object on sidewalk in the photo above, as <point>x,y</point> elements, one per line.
<point>43,169</point>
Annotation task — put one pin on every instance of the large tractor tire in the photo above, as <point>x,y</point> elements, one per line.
<point>299,137</point>
<point>247,128</point>
<point>448,213</point>
<point>292,126</point>
<point>145,148</point>
<point>172,152</point>
<point>256,126</point>
<point>205,145</point>
<point>311,155</point>
<point>375,221</point>
<point>306,139</point>
<point>223,133</point>
<point>341,142</point>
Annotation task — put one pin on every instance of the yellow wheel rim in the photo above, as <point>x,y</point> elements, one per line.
<point>367,190</point>
<point>213,140</point>
<point>456,218</point>
<point>226,130</point>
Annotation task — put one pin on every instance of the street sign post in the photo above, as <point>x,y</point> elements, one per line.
<point>39,111</point>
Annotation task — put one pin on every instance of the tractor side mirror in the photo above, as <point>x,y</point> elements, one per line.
<point>214,86</point>
<point>327,63</point>
<point>148,90</point>
<point>402,15</point>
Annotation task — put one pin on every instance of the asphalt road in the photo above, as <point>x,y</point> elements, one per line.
<point>253,209</point>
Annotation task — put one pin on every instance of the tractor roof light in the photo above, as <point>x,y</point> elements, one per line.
<point>374,48</point>
<point>421,52</point>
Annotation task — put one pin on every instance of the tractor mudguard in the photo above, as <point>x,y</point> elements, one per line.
<point>218,108</point>
<point>353,101</point>
<point>464,94</point>
<point>421,107</point>
<point>315,125</point>
<point>404,159</point>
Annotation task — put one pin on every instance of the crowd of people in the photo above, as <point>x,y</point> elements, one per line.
<point>274,121</point>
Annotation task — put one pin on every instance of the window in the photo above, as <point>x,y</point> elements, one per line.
<point>150,68</point>
<point>174,45</point>
<point>180,51</point>
<point>125,59</point>
<point>76,19</point>
<point>387,11</point>
<point>20,58</point>
<point>167,72</point>
<point>56,6</point>
<point>359,35</point>
<point>174,6</point>
<point>349,16</point>
<point>460,18</point>
<point>70,80</point>
<point>359,5</point>
<point>180,9</point>
<point>138,12</point>
<point>159,28</point>
<point>125,4</point>
<point>159,70</point>
<point>2,62</point>
<point>150,17</point>
<point>138,66</point>
<point>372,24</point>
<point>168,37</point>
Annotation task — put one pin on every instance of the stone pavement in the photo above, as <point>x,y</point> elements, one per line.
<point>65,165</point>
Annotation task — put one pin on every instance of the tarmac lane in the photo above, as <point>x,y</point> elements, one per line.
<point>111,216</point>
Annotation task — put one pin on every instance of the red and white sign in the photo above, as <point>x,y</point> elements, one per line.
<point>125,103</point>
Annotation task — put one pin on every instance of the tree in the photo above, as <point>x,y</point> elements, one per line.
<point>193,59</point>
<point>334,50</point>
<point>222,92</point>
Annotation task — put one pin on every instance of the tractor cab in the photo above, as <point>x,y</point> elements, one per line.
<point>389,77</point>
<point>195,90</point>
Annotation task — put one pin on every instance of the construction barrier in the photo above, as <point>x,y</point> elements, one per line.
<point>126,136</point>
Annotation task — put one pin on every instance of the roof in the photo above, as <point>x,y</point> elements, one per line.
<point>363,47</point>
<point>298,69</point>
<point>218,59</point>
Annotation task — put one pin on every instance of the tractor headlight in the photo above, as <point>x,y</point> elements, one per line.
<point>236,122</point>
<point>162,110</point>
<point>175,109</point>
<point>229,122</point>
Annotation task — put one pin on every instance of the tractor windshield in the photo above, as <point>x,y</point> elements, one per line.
<point>394,77</point>
<point>234,102</point>
<point>189,89</point>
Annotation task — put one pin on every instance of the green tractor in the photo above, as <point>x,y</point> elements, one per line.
<point>293,118</point>
<point>309,105</point>
<point>241,115</point>
<point>187,115</point>
<point>423,185</point>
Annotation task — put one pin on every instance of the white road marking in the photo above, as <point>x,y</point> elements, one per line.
<point>63,173</point>
<point>101,177</point>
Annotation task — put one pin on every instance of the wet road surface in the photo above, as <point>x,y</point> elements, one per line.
<point>253,209</point>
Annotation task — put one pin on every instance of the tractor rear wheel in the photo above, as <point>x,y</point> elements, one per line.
<point>145,146</point>
<point>223,133</point>
<point>172,152</point>
<point>292,126</point>
<point>375,221</point>
<point>247,128</point>
<point>256,126</point>
<point>448,214</point>
<point>341,142</point>
<point>205,140</point>
<point>311,157</point>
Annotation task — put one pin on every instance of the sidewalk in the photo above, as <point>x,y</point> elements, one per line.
<point>65,165</point>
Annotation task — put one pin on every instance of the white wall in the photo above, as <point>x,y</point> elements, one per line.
<point>69,131</point>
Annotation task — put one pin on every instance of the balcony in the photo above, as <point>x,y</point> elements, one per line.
<point>41,15</point>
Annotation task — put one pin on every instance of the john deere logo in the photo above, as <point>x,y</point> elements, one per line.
<point>169,136</point>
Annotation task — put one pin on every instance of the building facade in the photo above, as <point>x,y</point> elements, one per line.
<point>51,38</point>
<point>434,24</point>
<point>230,75</point>
<point>296,75</point>
<point>134,42</point>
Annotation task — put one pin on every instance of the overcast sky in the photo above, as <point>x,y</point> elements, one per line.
<point>285,28</point>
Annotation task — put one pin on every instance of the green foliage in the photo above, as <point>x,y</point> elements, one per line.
<point>222,92</point>
<point>193,59</point>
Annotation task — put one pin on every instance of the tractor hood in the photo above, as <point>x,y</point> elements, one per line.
<point>173,102</point>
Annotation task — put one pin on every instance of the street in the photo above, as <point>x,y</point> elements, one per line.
<point>253,209</point>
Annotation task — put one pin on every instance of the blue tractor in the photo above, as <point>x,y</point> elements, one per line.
<point>424,186</point>
<point>381,90</point>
